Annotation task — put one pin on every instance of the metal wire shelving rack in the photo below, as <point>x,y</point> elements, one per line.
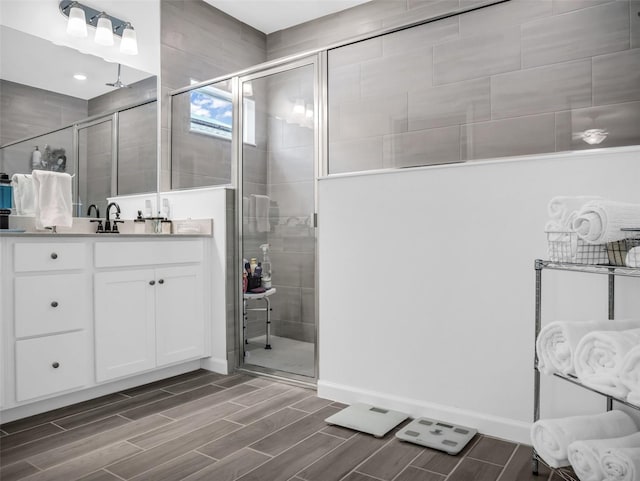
<point>612,272</point>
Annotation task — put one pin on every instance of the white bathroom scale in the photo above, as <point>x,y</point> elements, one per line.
<point>367,419</point>
<point>431,433</point>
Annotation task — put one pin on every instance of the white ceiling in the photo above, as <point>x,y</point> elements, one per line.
<point>269,16</point>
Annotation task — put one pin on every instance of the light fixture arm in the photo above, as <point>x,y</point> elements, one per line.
<point>93,15</point>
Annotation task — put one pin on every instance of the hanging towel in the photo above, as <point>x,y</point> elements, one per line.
<point>633,257</point>
<point>551,437</point>
<point>262,213</point>
<point>600,221</point>
<point>584,456</point>
<point>621,464</point>
<point>599,356</point>
<point>23,194</point>
<point>557,341</point>
<point>563,209</point>
<point>630,375</point>
<point>52,199</point>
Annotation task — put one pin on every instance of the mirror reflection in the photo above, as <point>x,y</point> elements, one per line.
<point>76,113</point>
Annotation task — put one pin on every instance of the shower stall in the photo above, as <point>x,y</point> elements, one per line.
<point>257,132</point>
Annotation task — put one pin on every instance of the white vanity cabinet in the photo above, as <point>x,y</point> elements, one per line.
<point>52,315</point>
<point>147,317</point>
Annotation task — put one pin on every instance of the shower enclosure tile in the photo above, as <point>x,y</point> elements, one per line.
<point>514,12</point>
<point>477,56</point>
<point>616,77</point>
<point>583,33</point>
<point>369,117</point>
<point>541,89</point>
<point>422,147</point>
<point>418,38</point>
<point>502,138</point>
<point>451,104</point>
<point>289,165</point>
<point>564,6</point>
<point>355,53</point>
<point>400,72</point>
<point>355,155</point>
<point>634,13</point>
<point>345,82</point>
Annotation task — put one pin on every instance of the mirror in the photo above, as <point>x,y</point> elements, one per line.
<point>55,115</point>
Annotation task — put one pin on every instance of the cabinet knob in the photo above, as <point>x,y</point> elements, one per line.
<point>55,365</point>
<point>54,304</point>
<point>54,255</point>
<point>161,281</point>
<point>152,283</point>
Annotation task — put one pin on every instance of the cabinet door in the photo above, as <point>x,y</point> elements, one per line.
<point>179,314</point>
<point>124,323</point>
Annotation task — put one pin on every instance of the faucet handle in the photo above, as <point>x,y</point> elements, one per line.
<point>115,225</point>
<point>100,229</point>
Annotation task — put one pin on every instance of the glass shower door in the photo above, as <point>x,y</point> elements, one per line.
<point>278,173</point>
<point>96,165</point>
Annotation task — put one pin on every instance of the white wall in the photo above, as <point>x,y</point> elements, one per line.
<point>427,286</point>
<point>208,203</point>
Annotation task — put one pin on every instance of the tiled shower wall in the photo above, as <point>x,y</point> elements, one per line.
<point>522,77</point>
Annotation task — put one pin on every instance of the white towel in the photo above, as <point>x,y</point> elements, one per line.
<point>600,221</point>
<point>584,456</point>
<point>52,199</point>
<point>633,257</point>
<point>599,356</point>
<point>23,194</point>
<point>630,375</point>
<point>551,437</point>
<point>621,464</point>
<point>557,341</point>
<point>563,209</point>
<point>262,213</point>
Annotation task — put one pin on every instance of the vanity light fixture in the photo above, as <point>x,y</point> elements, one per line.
<point>80,76</point>
<point>594,136</point>
<point>298,107</point>
<point>106,26</point>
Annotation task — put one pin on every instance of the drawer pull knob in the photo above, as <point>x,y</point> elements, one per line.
<point>55,365</point>
<point>161,281</point>
<point>152,283</point>
<point>54,304</point>
<point>54,255</point>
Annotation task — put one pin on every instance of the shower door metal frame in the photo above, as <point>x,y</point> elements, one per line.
<point>316,62</point>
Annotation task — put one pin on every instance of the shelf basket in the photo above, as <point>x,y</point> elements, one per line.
<point>617,251</point>
<point>567,247</point>
<point>563,473</point>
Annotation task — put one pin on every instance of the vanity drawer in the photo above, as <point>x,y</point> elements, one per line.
<point>49,257</point>
<point>51,304</point>
<point>167,251</point>
<point>47,365</point>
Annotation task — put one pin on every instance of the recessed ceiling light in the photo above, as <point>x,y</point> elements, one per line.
<point>80,76</point>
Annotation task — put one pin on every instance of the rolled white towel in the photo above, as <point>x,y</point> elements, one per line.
<point>23,194</point>
<point>599,356</point>
<point>557,341</point>
<point>633,257</point>
<point>551,437</point>
<point>630,375</point>
<point>622,464</point>
<point>584,456</point>
<point>563,209</point>
<point>600,221</point>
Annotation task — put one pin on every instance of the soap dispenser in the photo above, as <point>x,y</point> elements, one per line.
<point>139,224</point>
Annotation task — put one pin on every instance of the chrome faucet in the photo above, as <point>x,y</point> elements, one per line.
<point>95,208</point>
<point>107,221</point>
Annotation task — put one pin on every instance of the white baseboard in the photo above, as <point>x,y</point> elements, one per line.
<point>504,428</point>
<point>214,364</point>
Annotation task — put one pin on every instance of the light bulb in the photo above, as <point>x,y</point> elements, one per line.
<point>594,136</point>
<point>77,24</point>
<point>298,108</point>
<point>129,44</point>
<point>309,111</point>
<point>104,30</point>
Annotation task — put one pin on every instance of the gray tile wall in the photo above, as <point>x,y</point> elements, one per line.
<point>521,77</point>
<point>199,42</point>
<point>119,98</point>
<point>28,111</point>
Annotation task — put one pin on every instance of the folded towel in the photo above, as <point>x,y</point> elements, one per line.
<point>633,257</point>
<point>557,341</point>
<point>563,209</point>
<point>262,213</point>
<point>630,375</point>
<point>599,356</point>
<point>23,194</point>
<point>551,437</point>
<point>584,456</point>
<point>600,221</point>
<point>621,464</point>
<point>52,199</point>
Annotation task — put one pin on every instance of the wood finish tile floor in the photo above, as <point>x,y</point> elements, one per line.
<point>203,426</point>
